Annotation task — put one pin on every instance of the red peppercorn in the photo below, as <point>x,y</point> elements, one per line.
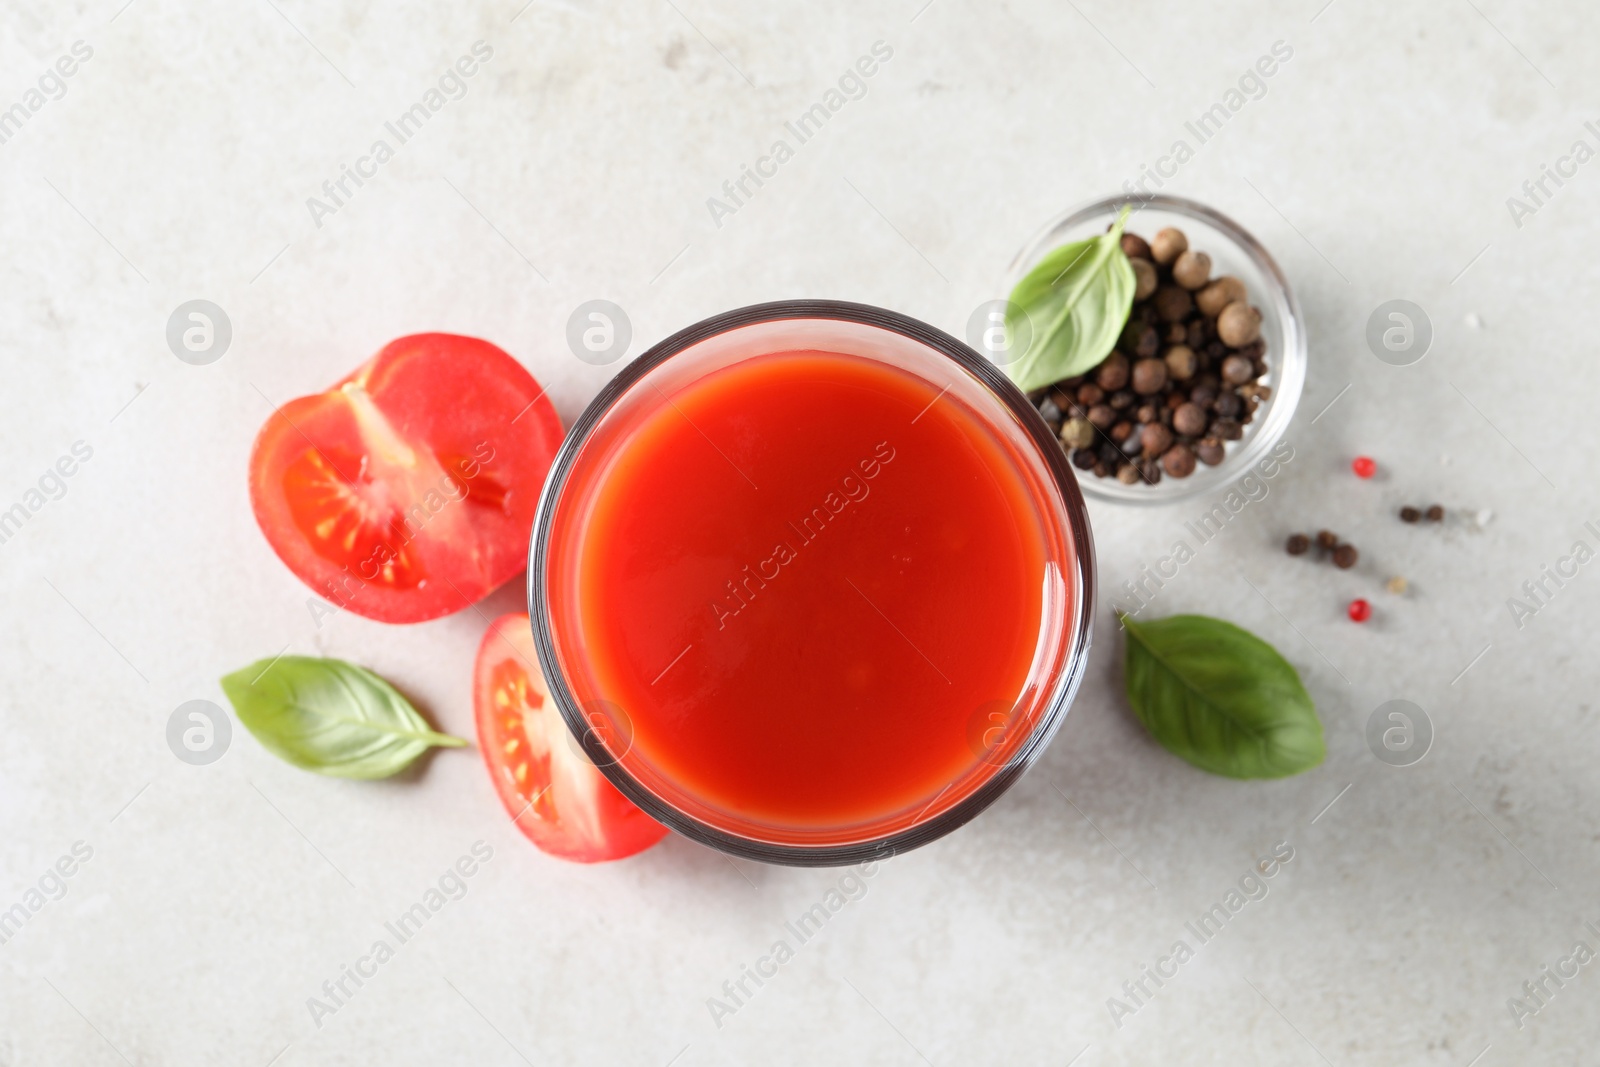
<point>1364,466</point>
<point>1360,610</point>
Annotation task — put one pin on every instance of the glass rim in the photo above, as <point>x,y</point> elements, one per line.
<point>1061,689</point>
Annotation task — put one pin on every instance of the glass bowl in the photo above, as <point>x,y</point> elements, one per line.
<point>1232,251</point>
<point>1004,741</point>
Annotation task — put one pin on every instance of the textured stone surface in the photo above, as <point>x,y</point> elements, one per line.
<point>577,166</point>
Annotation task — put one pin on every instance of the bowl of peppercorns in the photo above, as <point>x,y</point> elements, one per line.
<point>1207,370</point>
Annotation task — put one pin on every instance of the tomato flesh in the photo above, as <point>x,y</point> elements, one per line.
<point>553,793</point>
<point>407,491</point>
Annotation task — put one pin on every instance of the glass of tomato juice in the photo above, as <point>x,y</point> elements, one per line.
<point>811,582</point>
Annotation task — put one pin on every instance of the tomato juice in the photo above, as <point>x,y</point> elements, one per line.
<point>811,592</point>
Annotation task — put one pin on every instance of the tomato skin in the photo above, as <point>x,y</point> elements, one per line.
<point>557,798</point>
<point>407,490</point>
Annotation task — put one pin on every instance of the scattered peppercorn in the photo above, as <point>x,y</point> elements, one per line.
<point>1436,513</point>
<point>1360,610</point>
<point>1409,514</point>
<point>1327,539</point>
<point>1345,556</point>
<point>1297,545</point>
<point>1396,585</point>
<point>1364,466</point>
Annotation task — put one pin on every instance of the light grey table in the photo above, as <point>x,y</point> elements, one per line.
<point>1376,163</point>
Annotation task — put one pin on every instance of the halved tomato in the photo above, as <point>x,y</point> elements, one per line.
<point>407,491</point>
<point>553,793</point>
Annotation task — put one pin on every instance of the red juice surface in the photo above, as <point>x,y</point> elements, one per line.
<point>803,577</point>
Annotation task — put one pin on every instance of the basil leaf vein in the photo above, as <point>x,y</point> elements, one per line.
<point>1075,302</point>
<point>1220,697</point>
<point>331,717</point>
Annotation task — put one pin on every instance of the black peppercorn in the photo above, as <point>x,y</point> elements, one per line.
<point>1327,539</point>
<point>1409,514</point>
<point>1345,556</point>
<point>1297,545</point>
<point>1435,512</point>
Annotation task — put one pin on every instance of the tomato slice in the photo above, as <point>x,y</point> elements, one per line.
<point>407,491</point>
<point>552,792</point>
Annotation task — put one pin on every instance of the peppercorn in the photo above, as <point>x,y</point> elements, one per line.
<point>1178,461</point>
<point>1209,451</point>
<point>1090,394</point>
<point>1219,294</point>
<point>1227,429</point>
<point>1147,413</point>
<point>1139,338</point>
<point>1083,459</point>
<point>1396,585</point>
<point>1189,420</point>
<point>1228,405</point>
<point>1360,610</point>
<point>1122,400</point>
<point>1102,416</point>
<point>1345,556</point>
<point>1297,545</point>
<point>1181,362</point>
<point>1120,430</point>
<point>1236,370</point>
<point>1149,375</point>
<point>1173,304</point>
<point>1203,395</point>
<point>1109,454</point>
<point>1078,433</point>
<point>1192,269</point>
<point>1195,334</point>
<point>1155,438</point>
<point>1409,514</point>
<point>1112,373</point>
<point>1435,512</point>
<point>1135,247</point>
<point>1238,325</point>
<point>1168,245</point>
<point>1327,539</point>
<point>1145,278</point>
<point>1127,474</point>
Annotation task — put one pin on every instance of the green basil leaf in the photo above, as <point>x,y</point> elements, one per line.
<point>1220,697</point>
<point>330,717</point>
<point>1076,303</point>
